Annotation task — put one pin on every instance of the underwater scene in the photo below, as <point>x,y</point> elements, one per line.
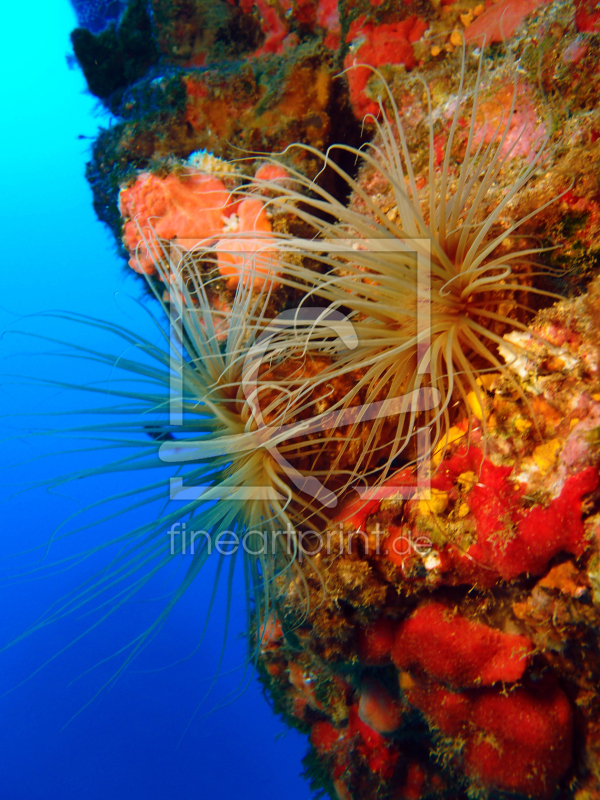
<point>66,735</point>
<point>301,400</point>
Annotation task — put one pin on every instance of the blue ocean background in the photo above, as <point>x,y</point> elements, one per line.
<point>159,732</point>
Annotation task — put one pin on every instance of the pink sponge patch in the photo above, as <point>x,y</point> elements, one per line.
<point>499,22</point>
<point>452,649</point>
<point>328,17</point>
<point>524,135</point>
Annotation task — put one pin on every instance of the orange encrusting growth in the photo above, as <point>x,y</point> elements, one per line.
<point>239,255</point>
<point>377,45</point>
<point>197,212</point>
<point>187,207</point>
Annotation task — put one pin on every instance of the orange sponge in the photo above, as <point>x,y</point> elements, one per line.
<point>188,207</point>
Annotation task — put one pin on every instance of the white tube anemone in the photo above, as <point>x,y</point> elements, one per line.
<point>206,408</point>
<point>429,288</point>
<point>263,422</point>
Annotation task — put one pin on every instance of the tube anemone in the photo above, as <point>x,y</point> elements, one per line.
<point>430,286</point>
<point>261,421</point>
<point>207,409</point>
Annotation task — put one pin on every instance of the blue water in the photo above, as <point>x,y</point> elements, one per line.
<point>140,738</point>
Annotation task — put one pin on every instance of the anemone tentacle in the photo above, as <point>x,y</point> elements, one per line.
<point>232,480</point>
<point>429,292</point>
<point>278,416</point>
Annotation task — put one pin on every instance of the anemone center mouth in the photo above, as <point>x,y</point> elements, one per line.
<point>448,301</point>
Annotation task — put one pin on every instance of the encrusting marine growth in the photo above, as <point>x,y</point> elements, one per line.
<point>367,360</point>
